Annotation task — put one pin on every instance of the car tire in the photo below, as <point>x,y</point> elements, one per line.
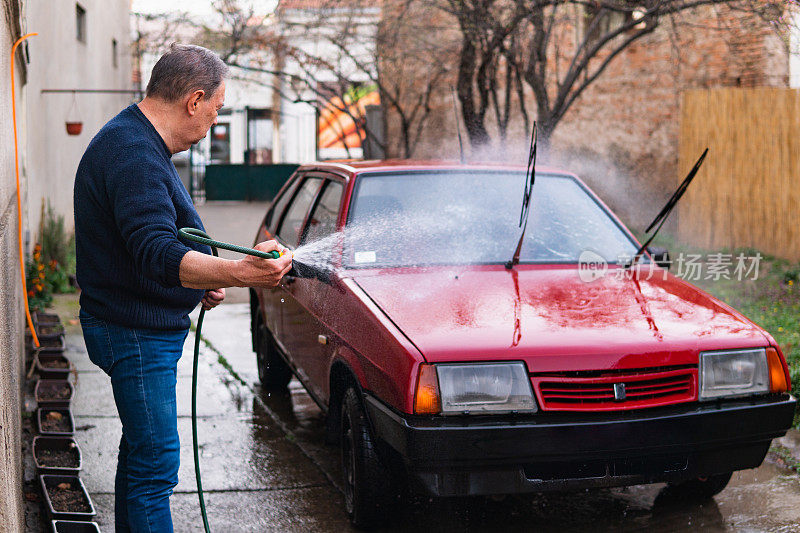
<point>367,485</point>
<point>273,372</point>
<point>700,489</point>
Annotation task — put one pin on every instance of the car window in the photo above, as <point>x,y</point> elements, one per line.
<point>322,221</point>
<point>292,223</point>
<point>474,218</point>
<point>274,215</point>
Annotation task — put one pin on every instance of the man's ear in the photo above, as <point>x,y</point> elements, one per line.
<point>194,101</point>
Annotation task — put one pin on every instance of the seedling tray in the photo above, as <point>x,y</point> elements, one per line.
<point>48,452</point>
<point>52,425</point>
<point>66,498</point>
<point>71,526</point>
<point>53,393</point>
<point>53,366</point>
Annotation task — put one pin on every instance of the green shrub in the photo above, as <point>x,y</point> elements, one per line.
<point>58,252</point>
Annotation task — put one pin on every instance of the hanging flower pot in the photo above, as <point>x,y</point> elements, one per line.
<point>74,122</point>
<point>74,128</point>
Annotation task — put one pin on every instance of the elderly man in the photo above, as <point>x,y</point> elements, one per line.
<point>139,281</point>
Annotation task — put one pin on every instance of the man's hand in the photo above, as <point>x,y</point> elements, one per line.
<point>266,273</point>
<point>213,298</point>
<point>201,271</point>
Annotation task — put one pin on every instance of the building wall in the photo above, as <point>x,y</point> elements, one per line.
<point>794,58</point>
<point>11,358</point>
<point>58,60</point>
<point>622,134</point>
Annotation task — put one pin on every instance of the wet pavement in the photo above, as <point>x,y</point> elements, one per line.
<point>266,467</point>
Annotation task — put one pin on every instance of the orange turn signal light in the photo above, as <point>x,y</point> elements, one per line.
<point>777,377</point>
<point>426,397</point>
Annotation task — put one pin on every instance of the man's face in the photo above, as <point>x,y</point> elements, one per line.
<point>206,115</point>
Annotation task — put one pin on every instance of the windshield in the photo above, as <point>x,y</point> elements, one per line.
<point>431,218</point>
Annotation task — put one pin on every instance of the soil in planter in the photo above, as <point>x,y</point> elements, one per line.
<point>55,458</point>
<point>49,393</point>
<point>46,318</point>
<point>50,329</point>
<point>50,343</point>
<point>55,421</point>
<point>54,363</point>
<point>68,497</point>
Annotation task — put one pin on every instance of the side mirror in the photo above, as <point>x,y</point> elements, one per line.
<point>660,255</point>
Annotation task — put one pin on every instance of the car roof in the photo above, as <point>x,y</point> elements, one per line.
<point>354,167</point>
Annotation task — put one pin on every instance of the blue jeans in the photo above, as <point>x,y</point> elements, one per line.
<point>142,364</point>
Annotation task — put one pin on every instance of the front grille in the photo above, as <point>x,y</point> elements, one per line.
<point>636,390</point>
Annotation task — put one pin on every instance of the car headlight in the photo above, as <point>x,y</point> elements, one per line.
<point>474,388</point>
<point>733,373</point>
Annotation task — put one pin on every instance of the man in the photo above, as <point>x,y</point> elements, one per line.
<point>139,281</point>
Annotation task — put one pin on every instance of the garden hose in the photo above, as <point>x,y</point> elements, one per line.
<point>34,336</point>
<point>192,234</point>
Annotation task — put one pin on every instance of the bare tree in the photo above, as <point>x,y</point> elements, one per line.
<point>556,48</point>
<point>154,32</point>
<point>322,55</point>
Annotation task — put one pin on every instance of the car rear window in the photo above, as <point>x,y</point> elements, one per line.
<point>422,218</point>
<point>292,224</point>
<point>322,221</point>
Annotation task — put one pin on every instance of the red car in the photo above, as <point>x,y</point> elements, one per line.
<point>440,366</point>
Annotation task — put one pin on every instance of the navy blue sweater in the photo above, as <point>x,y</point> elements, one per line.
<point>129,204</point>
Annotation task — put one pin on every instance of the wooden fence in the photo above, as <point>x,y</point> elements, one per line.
<point>748,191</point>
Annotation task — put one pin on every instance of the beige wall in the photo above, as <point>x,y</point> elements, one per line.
<point>58,60</point>
<point>11,360</point>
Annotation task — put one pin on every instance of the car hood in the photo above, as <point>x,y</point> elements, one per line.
<point>554,321</point>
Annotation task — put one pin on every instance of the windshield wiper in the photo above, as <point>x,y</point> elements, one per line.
<point>661,217</point>
<point>530,178</point>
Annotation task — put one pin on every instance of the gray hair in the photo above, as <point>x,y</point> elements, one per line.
<point>183,69</point>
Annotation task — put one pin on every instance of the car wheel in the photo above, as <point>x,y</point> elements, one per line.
<point>700,489</point>
<point>273,372</point>
<point>366,479</point>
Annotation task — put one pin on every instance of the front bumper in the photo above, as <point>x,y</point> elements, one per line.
<point>457,456</point>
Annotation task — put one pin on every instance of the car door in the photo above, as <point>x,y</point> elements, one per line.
<point>306,336</point>
<point>289,231</point>
<point>270,299</point>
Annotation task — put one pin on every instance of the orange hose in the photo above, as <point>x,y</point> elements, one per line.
<point>19,196</point>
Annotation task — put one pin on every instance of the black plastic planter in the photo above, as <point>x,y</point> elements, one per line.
<point>48,345</point>
<point>45,421</point>
<point>57,455</point>
<point>47,331</point>
<point>51,345</point>
<point>53,393</point>
<point>63,492</point>
<point>41,319</point>
<point>71,526</point>
<point>53,366</point>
